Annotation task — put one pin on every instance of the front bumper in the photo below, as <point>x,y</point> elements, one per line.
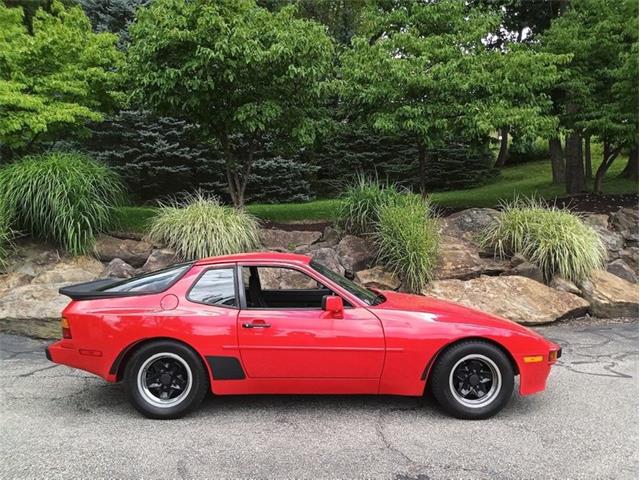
<point>533,376</point>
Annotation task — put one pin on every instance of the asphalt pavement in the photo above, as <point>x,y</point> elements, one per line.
<point>57,422</point>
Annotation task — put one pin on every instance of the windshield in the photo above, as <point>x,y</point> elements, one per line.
<point>367,296</point>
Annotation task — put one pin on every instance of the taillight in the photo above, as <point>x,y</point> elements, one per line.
<point>66,329</point>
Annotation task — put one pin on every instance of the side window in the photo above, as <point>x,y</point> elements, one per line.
<point>215,287</point>
<point>281,287</point>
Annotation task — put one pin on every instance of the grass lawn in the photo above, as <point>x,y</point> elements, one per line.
<point>528,179</point>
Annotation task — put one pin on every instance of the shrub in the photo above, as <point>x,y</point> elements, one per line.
<point>199,226</point>
<point>553,239</point>
<point>361,202</point>
<point>407,240</point>
<point>65,198</point>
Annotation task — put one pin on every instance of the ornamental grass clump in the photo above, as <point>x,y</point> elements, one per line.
<point>6,233</point>
<point>361,202</point>
<point>407,240</point>
<point>553,239</point>
<point>199,226</point>
<point>65,198</point>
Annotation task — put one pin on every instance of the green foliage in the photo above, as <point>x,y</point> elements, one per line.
<point>66,198</point>
<point>243,74</point>
<point>407,241</point>
<point>422,69</point>
<point>525,150</point>
<point>55,78</point>
<point>201,227</point>
<point>6,233</point>
<point>361,202</point>
<point>553,239</point>
<point>114,16</point>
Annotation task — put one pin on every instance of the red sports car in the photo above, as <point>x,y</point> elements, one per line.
<point>271,323</point>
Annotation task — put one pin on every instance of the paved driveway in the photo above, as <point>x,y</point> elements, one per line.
<point>61,423</point>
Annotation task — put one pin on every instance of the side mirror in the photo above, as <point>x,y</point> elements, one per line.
<point>334,305</point>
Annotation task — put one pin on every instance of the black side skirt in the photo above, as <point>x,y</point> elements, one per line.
<point>226,368</point>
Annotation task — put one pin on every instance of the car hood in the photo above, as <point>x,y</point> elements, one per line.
<point>445,311</point>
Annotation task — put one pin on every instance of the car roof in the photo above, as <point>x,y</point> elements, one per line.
<point>256,257</point>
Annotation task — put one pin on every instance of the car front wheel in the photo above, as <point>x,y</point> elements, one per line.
<point>472,380</point>
<point>165,380</point>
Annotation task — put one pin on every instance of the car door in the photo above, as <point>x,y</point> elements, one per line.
<point>278,340</point>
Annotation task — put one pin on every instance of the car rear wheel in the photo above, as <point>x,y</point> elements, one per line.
<point>165,379</point>
<point>472,380</point>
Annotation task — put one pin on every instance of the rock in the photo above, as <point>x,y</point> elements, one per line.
<point>620,269</point>
<point>526,269</point>
<point>613,242</point>
<point>610,296</point>
<point>118,268</point>
<point>355,254</point>
<point>564,285</point>
<point>329,258</point>
<point>134,252</point>
<point>597,220</point>
<point>159,259</point>
<point>517,259</point>
<point>330,237</point>
<point>469,223</point>
<point>630,257</point>
<point>625,220</point>
<point>284,279</point>
<point>460,259</point>
<point>516,298</point>
<point>284,240</point>
<point>70,270</point>
<point>13,280</point>
<point>33,310</point>
<point>377,277</point>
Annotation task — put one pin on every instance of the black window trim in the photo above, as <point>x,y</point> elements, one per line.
<point>243,300</point>
<point>227,266</point>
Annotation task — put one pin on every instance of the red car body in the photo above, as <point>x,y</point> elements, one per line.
<point>388,348</point>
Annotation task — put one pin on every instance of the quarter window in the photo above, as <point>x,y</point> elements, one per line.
<point>215,287</point>
<point>154,282</point>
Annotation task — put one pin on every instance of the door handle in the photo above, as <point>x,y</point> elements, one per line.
<point>256,324</point>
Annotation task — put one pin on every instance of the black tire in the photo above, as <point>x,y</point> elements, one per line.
<point>472,380</point>
<point>179,372</point>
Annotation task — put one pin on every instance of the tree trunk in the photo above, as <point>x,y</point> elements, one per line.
<point>574,171</point>
<point>609,154</point>
<point>557,160</point>
<point>631,170</point>
<point>503,153</point>
<point>588,169</point>
<point>422,160</point>
<point>237,172</point>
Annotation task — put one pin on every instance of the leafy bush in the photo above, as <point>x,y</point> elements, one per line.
<point>522,151</point>
<point>199,226</point>
<point>65,198</point>
<point>361,203</point>
<point>407,240</point>
<point>554,239</point>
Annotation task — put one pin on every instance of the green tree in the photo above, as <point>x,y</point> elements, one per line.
<point>598,91</point>
<point>54,79</point>
<point>243,74</point>
<point>424,69</point>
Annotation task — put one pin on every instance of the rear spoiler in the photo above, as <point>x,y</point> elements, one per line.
<point>90,290</point>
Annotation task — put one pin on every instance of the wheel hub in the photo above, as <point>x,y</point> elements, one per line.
<point>475,381</point>
<point>164,380</point>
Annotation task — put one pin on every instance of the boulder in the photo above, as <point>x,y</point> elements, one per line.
<point>330,236</point>
<point>377,277</point>
<point>630,256</point>
<point>516,298</point>
<point>33,310</point>
<point>613,241</point>
<point>118,268</point>
<point>355,254</point>
<point>159,259</point>
<point>329,258</point>
<point>134,252</point>
<point>284,279</point>
<point>526,269</point>
<point>284,240</point>
<point>596,220</point>
<point>469,223</point>
<point>564,285</point>
<point>610,296</point>
<point>70,270</point>
<point>460,259</point>
<point>625,220</point>
<point>620,269</point>
<point>13,280</point>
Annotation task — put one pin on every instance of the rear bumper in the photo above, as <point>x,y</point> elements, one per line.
<point>65,353</point>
